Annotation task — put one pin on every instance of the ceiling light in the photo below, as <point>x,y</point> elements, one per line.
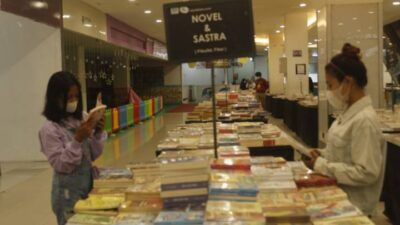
<point>310,43</point>
<point>282,26</point>
<point>340,24</point>
<point>318,11</point>
<point>147,11</point>
<point>278,31</point>
<point>131,0</point>
<point>88,25</point>
<point>396,3</point>
<point>158,21</point>
<point>302,5</point>
<point>355,18</point>
<point>266,49</point>
<point>66,16</point>
<point>102,32</point>
<point>315,54</point>
<point>371,12</point>
<point>39,4</point>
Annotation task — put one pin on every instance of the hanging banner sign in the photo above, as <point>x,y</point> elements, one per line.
<point>209,29</point>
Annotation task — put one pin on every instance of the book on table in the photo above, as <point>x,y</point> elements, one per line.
<point>135,218</point>
<point>85,219</point>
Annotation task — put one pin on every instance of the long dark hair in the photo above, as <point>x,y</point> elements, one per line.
<point>57,97</point>
<point>348,63</point>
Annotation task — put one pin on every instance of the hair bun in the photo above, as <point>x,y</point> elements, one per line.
<point>351,51</point>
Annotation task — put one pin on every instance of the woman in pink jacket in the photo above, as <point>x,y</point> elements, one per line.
<point>70,142</point>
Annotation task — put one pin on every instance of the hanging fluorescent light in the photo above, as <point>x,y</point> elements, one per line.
<point>302,5</point>
<point>147,11</point>
<point>158,21</point>
<point>39,4</point>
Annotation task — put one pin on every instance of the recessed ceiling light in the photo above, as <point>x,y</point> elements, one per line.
<point>66,16</point>
<point>158,21</point>
<point>316,40</point>
<point>147,11</point>
<point>102,32</point>
<point>39,4</point>
<point>340,24</point>
<point>131,0</point>
<point>282,26</point>
<point>396,3</point>
<point>302,5</point>
<point>355,18</point>
<point>87,25</point>
<point>371,12</point>
<point>310,43</point>
<point>318,11</point>
<point>277,31</point>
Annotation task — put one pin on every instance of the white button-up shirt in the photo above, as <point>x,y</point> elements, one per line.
<point>355,155</point>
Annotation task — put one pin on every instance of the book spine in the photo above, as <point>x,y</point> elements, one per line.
<point>179,186</point>
<point>187,199</point>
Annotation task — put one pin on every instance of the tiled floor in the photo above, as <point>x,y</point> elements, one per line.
<point>25,187</point>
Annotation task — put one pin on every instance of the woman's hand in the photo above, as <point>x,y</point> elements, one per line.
<point>84,131</point>
<point>100,126</point>
<point>310,161</point>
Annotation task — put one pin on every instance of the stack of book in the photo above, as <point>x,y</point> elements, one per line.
<point>86,219</point>
<point>135,218</point>
<point>99,205</point>
<point>184,181</point>
<point>251,140</point>
<point>332,210</point>
<point>238,188</point>
<point>231,164</point>
<point>246,128</point>
<point>113,178</point>
<point>227,212</point>
<point>180,218</point>
<point>144,172</point>
<point>233,152</point>
<point>355,220</point>
<point>264,173</point>
<point>284,208</point>
<point>315,180</point>
<point>209,153</point>
<point>228,139</point>
<point>323,194</point>
<point>269,162</point>
<point>143,197</point>
<point>116,191</point>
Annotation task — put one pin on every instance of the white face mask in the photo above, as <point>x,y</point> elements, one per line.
<point>338,100</point>
<point>72,106</point>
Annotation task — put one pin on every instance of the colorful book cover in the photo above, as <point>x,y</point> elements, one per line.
<point>135,218</point>
<point>245,189</point>
<point>99,203</point>
<point>231,164</point>
<point>186,199</point>
<point>333,210</point>
<point>358,220</point>
<point>180,218</point>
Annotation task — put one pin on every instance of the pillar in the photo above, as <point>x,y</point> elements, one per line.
<point>296,51</point>
<point>360,23</point>
<point>82,75</point>
<point>275,52</point>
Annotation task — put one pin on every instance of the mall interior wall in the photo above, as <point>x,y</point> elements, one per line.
<point>30,53</point>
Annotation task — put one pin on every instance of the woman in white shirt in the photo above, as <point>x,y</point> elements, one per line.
<point>356,151</point>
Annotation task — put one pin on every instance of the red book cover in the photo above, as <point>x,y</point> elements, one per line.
<point>231,164</point>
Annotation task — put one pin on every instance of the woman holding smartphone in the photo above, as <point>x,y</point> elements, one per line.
<point>71,142</point>
<point>355,152</point>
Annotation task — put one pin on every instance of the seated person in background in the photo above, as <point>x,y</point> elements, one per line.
<point>244,84</point>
